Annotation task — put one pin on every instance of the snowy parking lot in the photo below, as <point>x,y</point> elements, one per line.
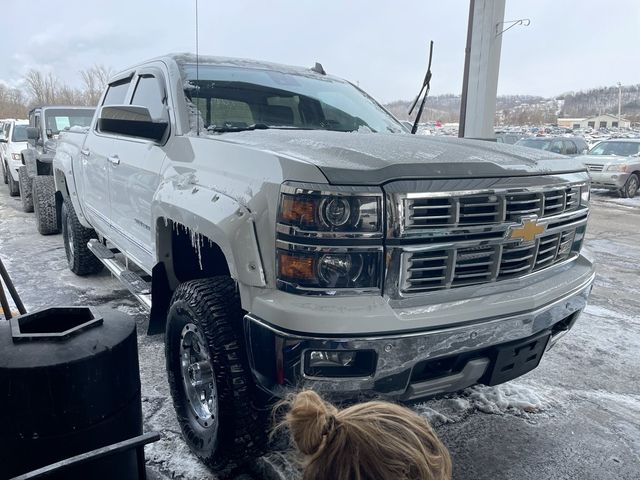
<point>576,416</point>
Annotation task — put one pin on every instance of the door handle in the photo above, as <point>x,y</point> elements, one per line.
<point>114,160</point>
<point>85,152</point>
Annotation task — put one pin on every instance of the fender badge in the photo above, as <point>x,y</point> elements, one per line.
<point>528,230</point>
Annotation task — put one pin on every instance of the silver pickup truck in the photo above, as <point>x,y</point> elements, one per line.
<point>286,231</point>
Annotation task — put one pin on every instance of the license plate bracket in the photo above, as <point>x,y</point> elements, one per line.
<point>517,358</point>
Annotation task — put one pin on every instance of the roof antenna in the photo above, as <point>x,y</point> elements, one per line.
<point>197,74</point>
<point>318,69</point>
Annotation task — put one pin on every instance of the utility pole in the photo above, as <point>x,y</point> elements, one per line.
<point>619,103</point>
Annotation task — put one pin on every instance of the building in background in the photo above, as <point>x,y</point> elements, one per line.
<point>600,121</point>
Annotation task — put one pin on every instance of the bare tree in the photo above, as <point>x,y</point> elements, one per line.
<point>43,88</point>
<point>12,103</point>
<point>94,80</point>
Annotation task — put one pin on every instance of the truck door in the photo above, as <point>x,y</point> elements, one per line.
<point>94,172</point>
<point>134,170</point>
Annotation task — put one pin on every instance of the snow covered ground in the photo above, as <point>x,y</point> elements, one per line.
<point>576,416</point>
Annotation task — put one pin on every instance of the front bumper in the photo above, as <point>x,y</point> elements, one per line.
<point>611,180</point>
<point>278,357</point>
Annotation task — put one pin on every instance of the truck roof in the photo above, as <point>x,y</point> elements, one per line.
<point>182,59</point>
<point>66,107</point>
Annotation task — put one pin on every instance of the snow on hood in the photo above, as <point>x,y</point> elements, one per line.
<point>374,158</point>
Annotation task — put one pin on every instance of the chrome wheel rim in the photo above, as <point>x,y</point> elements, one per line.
<point>198,377</point>
<point>70,245</point>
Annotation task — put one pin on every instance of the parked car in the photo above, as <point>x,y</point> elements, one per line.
<point>286,232</point>
<point>13,141</point>
<point>36,175</point>
<point>508,138</point>
<point>615,164</point>
<point>562,145</point>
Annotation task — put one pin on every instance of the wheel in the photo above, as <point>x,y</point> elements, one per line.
<point>4,173</point>
<point>26,189</point>
<point>213,394</point>
<point>14,186</point>
<point>80,259</point>
<point>631,187</point>
<point>44,204</point>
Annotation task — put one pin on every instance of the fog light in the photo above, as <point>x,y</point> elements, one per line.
<point>331,359</point>
<point>340,363</point>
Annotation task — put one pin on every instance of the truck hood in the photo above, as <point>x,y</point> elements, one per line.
<point>375,158</point>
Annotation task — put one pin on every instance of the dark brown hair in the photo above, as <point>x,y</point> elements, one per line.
<point>367,441</point>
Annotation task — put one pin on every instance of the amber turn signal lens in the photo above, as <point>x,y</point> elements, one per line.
<point>295,267</point>
<point>297,211</point>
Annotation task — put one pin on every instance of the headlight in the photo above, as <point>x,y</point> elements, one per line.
<point>330,211</point>
<point>328,270</point>
<point>329,239</point>
<point>16,156</point>
<point>585,194</point>
<point>616,168</point>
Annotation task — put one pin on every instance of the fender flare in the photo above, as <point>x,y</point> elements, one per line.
<point>219,218</point>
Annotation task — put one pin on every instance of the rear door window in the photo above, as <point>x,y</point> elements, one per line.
<point>117,92</point>
<point>570,148</point>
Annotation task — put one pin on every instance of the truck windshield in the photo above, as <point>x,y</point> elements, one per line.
<point>58,119</point>
<point>239,97</point>
<point>623,149</point>
<point>19,133</point>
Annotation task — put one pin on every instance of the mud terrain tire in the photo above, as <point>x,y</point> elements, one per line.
<point>44,204</point>
<point>206,315</point>
<point>14,187</point>
<point>631,187</point>
<point>79,258</point>
<point>26,189</point>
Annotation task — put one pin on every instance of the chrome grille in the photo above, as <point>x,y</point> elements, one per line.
<point>461,266</point>
<point>487,208</point>
<point>592,167</point>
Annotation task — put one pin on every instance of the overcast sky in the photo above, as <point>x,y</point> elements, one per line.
<point>570,44</point>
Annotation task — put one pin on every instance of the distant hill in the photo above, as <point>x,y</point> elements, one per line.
<point>529,109</point>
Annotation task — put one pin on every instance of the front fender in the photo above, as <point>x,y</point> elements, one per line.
<point>65,183</point>
<point>219,218</point>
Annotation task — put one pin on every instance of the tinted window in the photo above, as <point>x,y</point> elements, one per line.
<point>117,92</point>
<point>539,144</point>
<point>149,94</point>
<point>19,133</point>
<point>570,147</point>
<point>556,146</point>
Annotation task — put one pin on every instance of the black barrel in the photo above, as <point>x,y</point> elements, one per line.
<point>69,383</point>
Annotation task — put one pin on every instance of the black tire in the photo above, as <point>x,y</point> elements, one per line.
<point>79,258</point>
<point>631,187</point>
<point>14,186</point>
<point>210,308</point>
<point>26,189</point>
<point>4,173</point>
<point>44,204</point>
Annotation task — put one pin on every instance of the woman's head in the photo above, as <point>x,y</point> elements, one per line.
<point>367,441</point>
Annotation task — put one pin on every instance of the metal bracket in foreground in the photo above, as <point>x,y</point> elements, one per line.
<point>525,22</point>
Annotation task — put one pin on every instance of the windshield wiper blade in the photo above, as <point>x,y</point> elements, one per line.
<point>426,85</point>
<point>232,128</point>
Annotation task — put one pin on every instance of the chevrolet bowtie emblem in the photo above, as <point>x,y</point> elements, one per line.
<point>528,231</point>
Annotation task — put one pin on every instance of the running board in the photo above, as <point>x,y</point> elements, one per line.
<point>138,286</point>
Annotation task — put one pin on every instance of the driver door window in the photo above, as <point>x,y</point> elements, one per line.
<point>149,94</point>
<point>556,146</point>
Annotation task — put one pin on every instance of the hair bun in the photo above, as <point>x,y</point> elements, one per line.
<point>310,420</point>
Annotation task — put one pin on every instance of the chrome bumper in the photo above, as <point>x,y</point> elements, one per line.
<point>277,357</point>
